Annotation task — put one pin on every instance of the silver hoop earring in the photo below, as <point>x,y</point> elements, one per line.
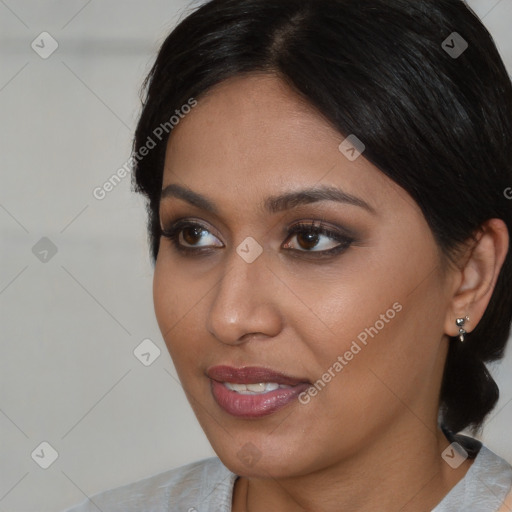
<point>460,324</point>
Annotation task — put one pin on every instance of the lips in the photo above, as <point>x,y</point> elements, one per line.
<point>251,375</point>
<point>252,392</point>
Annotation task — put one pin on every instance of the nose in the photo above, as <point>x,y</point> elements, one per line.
<point>244,303</point>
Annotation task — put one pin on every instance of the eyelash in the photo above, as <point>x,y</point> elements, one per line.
<point>317,228</point>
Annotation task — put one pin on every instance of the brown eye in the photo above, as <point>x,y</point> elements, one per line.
<point>188,236</point>
<point>308,241</point>
<point>314,238</point>
<point>192,234</point>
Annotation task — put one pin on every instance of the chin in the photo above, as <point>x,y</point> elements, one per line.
<point>262,455</point>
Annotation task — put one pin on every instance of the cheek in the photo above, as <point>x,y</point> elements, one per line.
<point>179,300</point>
<point>382,359</point>
<point>375,327</point>
<point>353,302</point>
<point>164,296</point>
<point>172,299</point>
<point>177,291</point>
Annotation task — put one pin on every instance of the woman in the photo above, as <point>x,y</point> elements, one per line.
<point>329,219</point>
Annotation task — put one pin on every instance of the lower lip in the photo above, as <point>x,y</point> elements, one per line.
<point>254,406</point>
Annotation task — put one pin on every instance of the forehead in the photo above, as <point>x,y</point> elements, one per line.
<point>252,137</point>
<point>258,115</point>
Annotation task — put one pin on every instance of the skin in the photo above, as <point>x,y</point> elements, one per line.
<point>369,439</point>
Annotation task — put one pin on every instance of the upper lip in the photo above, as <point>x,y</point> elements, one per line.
<point>251,375</point>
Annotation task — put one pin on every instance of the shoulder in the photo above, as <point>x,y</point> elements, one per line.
<point>206,485</point>
<point>484,488</point>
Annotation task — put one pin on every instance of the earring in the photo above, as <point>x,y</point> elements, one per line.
<point>462,332</point>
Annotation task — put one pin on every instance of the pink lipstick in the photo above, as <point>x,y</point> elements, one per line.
<point>253,392</point>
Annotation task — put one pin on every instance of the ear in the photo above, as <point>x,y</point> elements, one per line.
<point>476,279</point>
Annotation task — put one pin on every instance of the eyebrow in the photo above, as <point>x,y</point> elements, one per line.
<point>273,204</point>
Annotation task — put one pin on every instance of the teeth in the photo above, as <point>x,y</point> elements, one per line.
<point>260,388</point>
<point>254,389</point>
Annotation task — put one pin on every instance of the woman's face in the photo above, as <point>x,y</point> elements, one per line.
<point>358,310</point>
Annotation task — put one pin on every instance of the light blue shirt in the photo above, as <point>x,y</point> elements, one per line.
<point>207,486</point>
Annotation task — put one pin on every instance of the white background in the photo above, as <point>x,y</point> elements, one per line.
<point>69,326</point>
